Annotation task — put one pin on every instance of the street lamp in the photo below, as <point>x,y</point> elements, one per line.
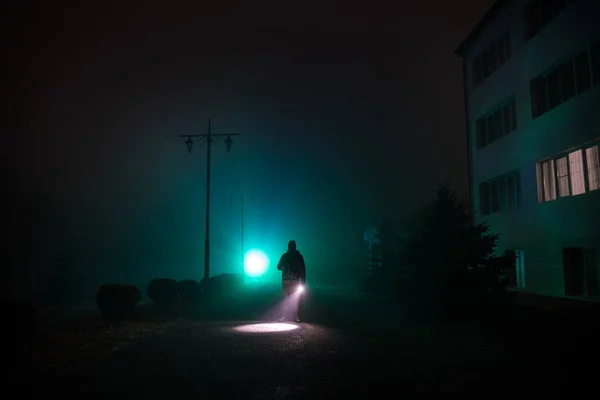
<point>208,139</point>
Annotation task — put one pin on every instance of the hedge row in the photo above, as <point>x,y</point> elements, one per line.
<point>117,302</point>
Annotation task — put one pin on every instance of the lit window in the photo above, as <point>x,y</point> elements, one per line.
<point>566,175</point>
<point>576,173</point>
<point>548,180</point>
<point>593,167</point>
<point>562,177</point>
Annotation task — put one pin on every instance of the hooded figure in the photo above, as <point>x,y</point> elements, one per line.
<point>293,276</point>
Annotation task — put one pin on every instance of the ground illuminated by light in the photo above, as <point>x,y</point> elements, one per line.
<point>266,327</point>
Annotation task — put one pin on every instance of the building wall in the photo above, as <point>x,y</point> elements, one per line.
<point>541,230</point>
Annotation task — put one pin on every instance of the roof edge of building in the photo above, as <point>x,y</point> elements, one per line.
<point>481,25</point>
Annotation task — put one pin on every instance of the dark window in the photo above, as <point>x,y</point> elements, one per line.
<point>485,60</point>
<point>502,194</point>
<point>507,119</point>
<point>481,132</point>
<point>558,6</point>
<point>567,80</point>
<point>553,80</point>
<point>501,51</point>
<point>595,53</point>
<point>539,103</point>
<point>477,71</point>
<point>495,206</point>
<point>490,128</point>
<point>539,14</point>
<point>496,54</point>
<point>582,72</point>
<point>547,11</point>
<point>498,123</point>
<point>493,57</point>
<point>513,113</point>
<point>511,195</point>
<point>484,198</point>
<point>533,20</point>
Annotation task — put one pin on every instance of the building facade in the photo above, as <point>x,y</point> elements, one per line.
<point>532,99</point>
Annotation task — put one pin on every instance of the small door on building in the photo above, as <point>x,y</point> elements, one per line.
<point>515,274</point>
<point>580,272</point>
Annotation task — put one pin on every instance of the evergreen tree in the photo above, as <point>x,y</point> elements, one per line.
<point>450,256</point>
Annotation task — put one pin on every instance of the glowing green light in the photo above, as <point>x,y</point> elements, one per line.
<point>256,263</point>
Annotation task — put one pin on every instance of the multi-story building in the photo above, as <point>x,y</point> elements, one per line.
<point>532,99</point>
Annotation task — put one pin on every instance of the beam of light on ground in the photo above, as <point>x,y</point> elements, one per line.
<point>266,327</point>
<point>286,307</point>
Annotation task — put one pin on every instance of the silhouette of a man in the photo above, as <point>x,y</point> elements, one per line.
<point>293,276</point>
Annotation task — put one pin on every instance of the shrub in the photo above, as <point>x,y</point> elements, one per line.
<point>221,285</point>
<point>210,287</point>
<point>189,291</point>
<point>163,292</point>
<point>231,282</point>
<point>116,302</point>
<point>451,257</point>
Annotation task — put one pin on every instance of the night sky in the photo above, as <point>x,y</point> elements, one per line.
<point>347,114</point>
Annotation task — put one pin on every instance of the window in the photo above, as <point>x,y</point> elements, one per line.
<point>539,97</point>
<point>593,167</point>
<point>491,132</point>
<point>582,72</point>
<point>553,84</point>
<point>491,58</point>
<point>500,194</point>
<point>572,174</point>
<point>484,198</point>
<point>567,80</point>
<point>481,133</point>
<point>562,177</point>
<point>511,193</point>
<point>494,200</point>
<point>563,82</point>
<point>549,181</point>
<point>496,123</point>
<point>539,13</point>
<point>595,56</point>
<point>516,272</point>
<point>576,173</point>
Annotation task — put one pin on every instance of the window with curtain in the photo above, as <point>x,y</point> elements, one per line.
<point>562,177</point>
<point>500,194</point>
<point>565,81</point>
<point>548,179</point>
<point>576,173</point>
<point>593,167</point>
<point>572,174</point>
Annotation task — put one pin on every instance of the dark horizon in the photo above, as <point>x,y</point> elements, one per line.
<point>346,118</point>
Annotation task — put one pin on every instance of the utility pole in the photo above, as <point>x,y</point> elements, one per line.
<point>242,220</point>
<point>208,139</point>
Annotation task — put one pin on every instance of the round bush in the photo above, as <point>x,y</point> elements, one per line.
<point>116,302</point>
<point>210,287</point>
<point>189,291</point>
<point>163,292</point>
<point>231,282</point>
<point>223,284</point>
